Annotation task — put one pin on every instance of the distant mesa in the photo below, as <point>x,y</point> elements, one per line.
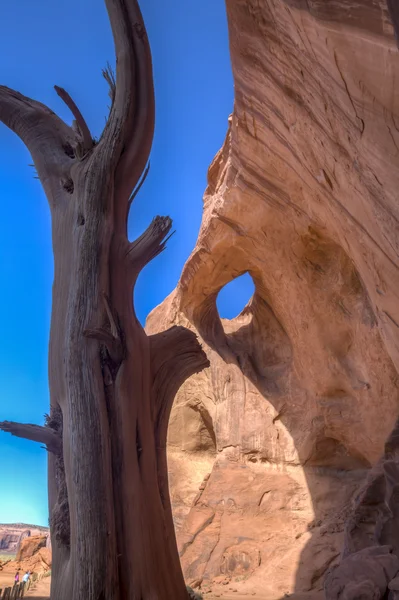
<point>13,534</point>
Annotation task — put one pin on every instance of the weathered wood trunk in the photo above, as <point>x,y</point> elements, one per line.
<point>111,386</point>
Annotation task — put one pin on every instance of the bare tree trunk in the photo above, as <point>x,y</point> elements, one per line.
<point>111,386</point>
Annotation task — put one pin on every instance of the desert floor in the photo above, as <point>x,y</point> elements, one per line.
<point>41,591</point>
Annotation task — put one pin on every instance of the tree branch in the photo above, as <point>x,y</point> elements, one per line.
<point>139,185</point>
<point>26,117</point>
<point>35,433</point>
<point>83,127</point>
<point>175,355</point>
<point>109,77</point>
<point>151,243</point>
<point>49,140</point>
<point>131,121</point>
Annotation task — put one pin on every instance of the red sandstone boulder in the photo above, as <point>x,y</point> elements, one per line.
<point>30,546</point>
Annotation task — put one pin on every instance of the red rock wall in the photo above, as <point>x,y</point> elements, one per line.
<point>302,391</point>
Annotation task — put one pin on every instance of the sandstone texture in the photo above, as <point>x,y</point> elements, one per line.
<point>269,447</point>
<point>30,546</point>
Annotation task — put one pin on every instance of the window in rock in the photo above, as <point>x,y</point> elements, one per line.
<point>234,296</point>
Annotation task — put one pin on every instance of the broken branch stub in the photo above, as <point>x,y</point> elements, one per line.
<point>35,433</point>
<point>80,121</point>
<point>151,243</point>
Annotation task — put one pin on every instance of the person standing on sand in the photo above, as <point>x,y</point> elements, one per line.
<point>26,577</point>
<point>16,578</point>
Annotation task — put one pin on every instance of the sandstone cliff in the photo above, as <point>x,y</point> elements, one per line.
<point>268,446</point>
<point>12,536</point>
<point>34,555</point>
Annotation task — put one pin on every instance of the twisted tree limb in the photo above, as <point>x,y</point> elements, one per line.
<point>175,356</point>
<point>133,103</point>
<point>35,433</point>
<point>113,385</point>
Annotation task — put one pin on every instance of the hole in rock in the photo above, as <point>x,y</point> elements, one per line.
<point>234,296</point>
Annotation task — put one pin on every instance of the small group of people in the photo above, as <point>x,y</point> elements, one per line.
<point>25,578</point>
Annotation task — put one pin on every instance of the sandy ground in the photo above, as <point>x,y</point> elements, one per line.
<point>40,590</point>
<point>250,596</point>
<point>43,593</point>
<point>7,579</point>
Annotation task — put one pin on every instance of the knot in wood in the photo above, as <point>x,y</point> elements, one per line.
<point>139,29</point>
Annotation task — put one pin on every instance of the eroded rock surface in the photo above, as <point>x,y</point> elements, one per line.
<point>30,546</point>
<point>268,447</point>
<point>364,575</point>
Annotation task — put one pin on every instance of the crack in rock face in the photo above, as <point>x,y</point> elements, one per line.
<point>302,389</point>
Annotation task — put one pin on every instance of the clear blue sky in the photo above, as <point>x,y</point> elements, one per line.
<point>67,43</point>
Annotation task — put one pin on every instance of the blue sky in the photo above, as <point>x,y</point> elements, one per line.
<point>67,43</point>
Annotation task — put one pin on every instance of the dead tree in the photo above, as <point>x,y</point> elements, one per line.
<point>111,385</point>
